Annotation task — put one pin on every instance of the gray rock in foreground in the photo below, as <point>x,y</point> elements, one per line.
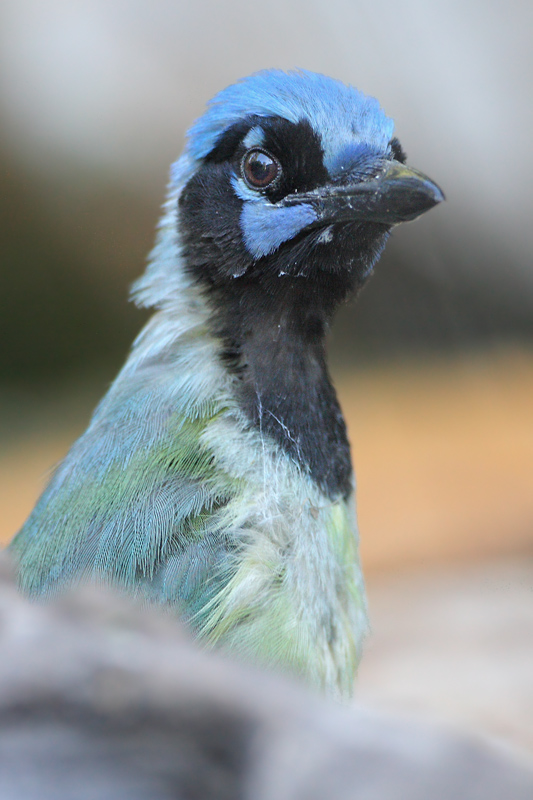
<point>101,700</point>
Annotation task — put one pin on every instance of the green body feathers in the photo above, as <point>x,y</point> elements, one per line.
<point>171,494</point>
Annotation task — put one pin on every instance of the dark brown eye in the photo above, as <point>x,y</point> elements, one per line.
<point>260,169</point>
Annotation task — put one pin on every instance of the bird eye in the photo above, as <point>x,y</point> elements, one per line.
<point>259,168</point>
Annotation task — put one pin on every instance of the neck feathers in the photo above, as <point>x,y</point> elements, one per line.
<point>270,345</point>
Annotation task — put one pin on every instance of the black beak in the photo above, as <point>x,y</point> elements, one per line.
<point>398,194</point>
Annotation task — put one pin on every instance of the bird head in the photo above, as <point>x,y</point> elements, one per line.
<point>292,182</point>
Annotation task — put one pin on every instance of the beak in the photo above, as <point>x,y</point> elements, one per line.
<point>398,194</point>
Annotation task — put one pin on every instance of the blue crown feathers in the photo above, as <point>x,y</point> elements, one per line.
<point>336,111</point>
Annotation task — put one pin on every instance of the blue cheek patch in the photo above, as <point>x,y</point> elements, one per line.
<point>265,226</point>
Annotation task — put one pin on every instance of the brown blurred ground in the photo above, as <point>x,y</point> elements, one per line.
<point>444,458</point>
<point>443,453</point>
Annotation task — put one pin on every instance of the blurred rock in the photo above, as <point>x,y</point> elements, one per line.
<point>102,699</point>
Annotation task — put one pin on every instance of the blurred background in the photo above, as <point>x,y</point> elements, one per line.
<point>434,363</point>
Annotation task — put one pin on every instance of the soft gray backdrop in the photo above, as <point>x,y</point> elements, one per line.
<point>95,96</point>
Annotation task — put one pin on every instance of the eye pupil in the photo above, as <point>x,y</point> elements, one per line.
<point>259,169</point>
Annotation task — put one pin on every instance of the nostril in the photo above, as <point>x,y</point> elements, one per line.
<point>364,169</point>
<point>353,158</point>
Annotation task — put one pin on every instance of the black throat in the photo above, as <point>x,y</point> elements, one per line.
<point>271,313</point>
<point>275,345</point>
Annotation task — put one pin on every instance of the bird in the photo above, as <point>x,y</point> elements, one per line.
<point>215,477</point>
